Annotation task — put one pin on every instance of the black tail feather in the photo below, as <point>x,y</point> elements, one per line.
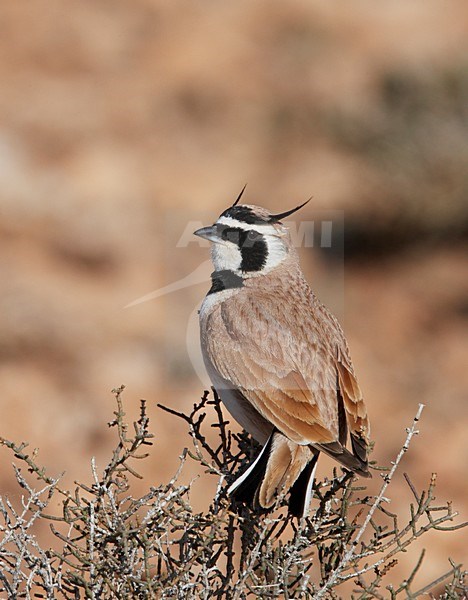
<point>299,497</point>
<point>345,458</point>
<point>359,447</point>
<point>246,490</point>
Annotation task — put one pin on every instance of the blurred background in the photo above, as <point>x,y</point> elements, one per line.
<point>124,124</point>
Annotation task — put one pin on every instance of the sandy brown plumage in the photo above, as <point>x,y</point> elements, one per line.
<point>272,345</point>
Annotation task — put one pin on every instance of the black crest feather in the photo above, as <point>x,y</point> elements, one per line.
<point>240,195</point>
<point>279,216</point>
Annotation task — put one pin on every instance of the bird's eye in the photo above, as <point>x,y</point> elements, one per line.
<point>230,234</point>
<point>222,231</point>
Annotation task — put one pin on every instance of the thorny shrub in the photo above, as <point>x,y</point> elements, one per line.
<point>112,545</point>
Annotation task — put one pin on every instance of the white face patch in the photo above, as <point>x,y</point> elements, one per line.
<point>277,252</point>
<point>226,256</point>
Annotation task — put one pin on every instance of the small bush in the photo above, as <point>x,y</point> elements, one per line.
<point>112,545</point>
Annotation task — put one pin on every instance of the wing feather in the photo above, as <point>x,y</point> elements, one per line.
<point>292,387</point>
<point>288,365</point>
<point>353,402</point>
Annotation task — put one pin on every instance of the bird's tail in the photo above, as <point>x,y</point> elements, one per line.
<point>281,466</point>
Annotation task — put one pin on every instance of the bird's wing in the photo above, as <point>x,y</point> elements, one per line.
<point>280,361</point>
<point>356,413</point>
<point>353,402</point>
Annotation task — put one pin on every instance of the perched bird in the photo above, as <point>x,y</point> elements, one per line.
<point>278,359</point>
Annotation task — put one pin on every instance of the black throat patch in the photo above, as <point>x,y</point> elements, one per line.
<point>224,280</point>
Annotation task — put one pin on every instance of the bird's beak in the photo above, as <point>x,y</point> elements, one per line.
<point>208,233</point>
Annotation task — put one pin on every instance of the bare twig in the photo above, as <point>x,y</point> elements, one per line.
<point>344,563</point>
<point>111,544</point>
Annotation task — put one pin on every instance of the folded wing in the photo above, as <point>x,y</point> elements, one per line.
<point>297,375</point>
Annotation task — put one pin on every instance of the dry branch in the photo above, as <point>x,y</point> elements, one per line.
<point>110,544</point>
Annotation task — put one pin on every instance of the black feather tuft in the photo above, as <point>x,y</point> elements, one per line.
<point>279,216</point>
<point>240,195</point>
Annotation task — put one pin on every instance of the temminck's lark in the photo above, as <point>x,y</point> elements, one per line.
<point>278,359</point>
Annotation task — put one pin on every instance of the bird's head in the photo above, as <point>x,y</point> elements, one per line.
<point>248,239</point>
